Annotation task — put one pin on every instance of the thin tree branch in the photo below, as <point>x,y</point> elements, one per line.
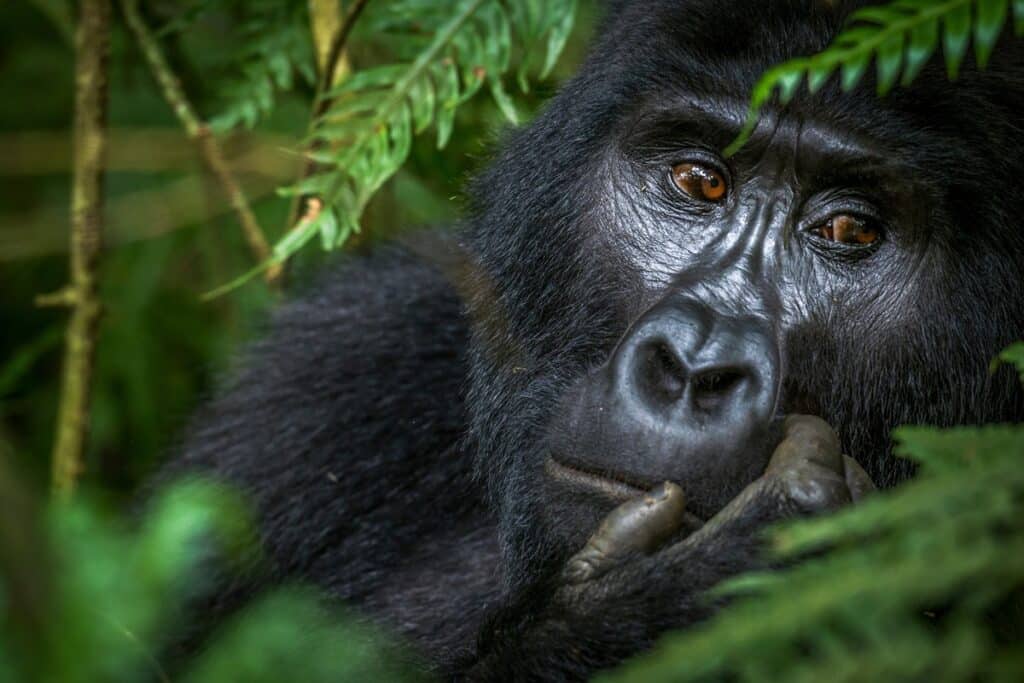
<point>146,150</point>
<point>328,78</point>
<point>337,52</point>
<point>200,133</point>
<point>92,52</point>
<point>324,21</point>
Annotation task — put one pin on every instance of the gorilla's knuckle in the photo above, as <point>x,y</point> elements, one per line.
<point>813,490</point>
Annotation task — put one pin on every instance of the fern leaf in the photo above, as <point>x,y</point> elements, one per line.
<point>557,35</point>
<point>277,48</point>
<point>366,133</point>
<point>901,37</point>
<point>956,37</point>
<point>446,79</point>
<point>952,537</point>
<point>923,40</point>
<point>987,27</point>
<point>853,70</point>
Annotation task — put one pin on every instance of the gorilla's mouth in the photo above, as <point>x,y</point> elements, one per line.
<point>613,485</point>
<point>610,484</point>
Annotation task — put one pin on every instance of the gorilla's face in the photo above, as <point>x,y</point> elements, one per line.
<point>657,308</point>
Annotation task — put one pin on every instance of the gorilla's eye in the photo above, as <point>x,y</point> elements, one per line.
<point>847,229</point>
<point>700,182</point>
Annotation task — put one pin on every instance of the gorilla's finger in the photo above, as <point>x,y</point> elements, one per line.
<point>737,509</point>
<point>857,480</point>
<point>639,525</point>
<point>807,467</point>
<point>806,471</point>
<point>807,439</point>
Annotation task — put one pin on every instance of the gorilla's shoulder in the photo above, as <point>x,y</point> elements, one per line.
<point>366,363</point>
<point>366,299</point>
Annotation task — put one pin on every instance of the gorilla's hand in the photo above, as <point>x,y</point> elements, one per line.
<point>634,579</point>
<point>806,474</point>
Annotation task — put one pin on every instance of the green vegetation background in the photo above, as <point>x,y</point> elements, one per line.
<point>170,236</point>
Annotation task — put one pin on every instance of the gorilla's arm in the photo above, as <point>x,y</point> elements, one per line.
<point>342,425</point>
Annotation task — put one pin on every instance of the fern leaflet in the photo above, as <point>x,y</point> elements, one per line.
<point>366,134</point>
<point>901,37</point>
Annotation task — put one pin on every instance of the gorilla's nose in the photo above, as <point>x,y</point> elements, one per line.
<point>689,396</point>
<point>689,371</point>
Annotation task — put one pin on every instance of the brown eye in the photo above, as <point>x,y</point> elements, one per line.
<point>847,229</point>
<point>700,182</point>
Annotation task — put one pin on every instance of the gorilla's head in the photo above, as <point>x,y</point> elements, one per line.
<point>647,309</point>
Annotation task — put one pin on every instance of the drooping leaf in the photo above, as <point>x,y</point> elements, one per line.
<point>956,36</point>
<point>902,35</point>
<point>1014,355</point>
<point>988,25</point>
<point>889,61</point>
<point>924,38</point>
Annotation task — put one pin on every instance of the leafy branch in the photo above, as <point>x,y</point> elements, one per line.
<point>277,49</point>
<point>367,132</point>
<point>199,132</point>
<point>364,134</point>
<point>334,66</point>
<point>901,37</point>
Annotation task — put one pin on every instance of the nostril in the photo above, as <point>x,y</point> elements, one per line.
<point>713,387</point>
<point>717,381</point>
<point>662,373</point>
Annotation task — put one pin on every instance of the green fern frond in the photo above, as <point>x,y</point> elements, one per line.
<point>277,49</point>
<point>366,134</point>
<point>901,37</point>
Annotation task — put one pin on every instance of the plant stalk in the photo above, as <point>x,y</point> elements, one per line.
<point>333,69</point>
<point>92,54</point>
<point>200,133</point>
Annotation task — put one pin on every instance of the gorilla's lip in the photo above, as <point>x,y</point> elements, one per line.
<point>612,485</point>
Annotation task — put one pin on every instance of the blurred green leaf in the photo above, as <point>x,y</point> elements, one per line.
<point>1014,355</point>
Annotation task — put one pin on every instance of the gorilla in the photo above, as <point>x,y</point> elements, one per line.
<point>531,444</point>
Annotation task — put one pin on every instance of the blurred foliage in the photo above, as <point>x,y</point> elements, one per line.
<point>169,230</point>
<point>925,582</point>
<point>85,599</point>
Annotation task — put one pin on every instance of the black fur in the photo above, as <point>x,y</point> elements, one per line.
<point>390,429</point>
